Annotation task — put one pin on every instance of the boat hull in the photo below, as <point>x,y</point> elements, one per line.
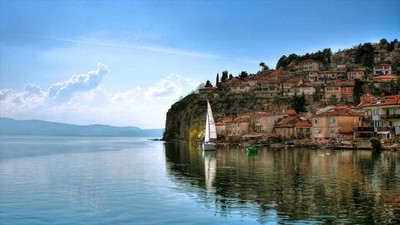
<point>209,146</point>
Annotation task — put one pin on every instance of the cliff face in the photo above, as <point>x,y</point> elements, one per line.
<point>184,116</point>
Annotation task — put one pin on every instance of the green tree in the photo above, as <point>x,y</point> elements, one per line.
<point>224,76</point>
<point>333,100</point>
<point>365,55</point>
<point>298,103</point>
<point>358,91</point>
<point>208,84</point>
<point>217,80</point>
<point>282,62</point>
<point>243,75</point>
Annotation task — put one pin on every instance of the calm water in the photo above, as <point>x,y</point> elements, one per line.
<point>80,180</point>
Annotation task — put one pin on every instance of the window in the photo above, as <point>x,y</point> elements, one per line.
<point>317,121</point>
<point>333,131</point>
<point>333,121</point>
<point>392,123</point>
<point>317,130</point>
<point>238,125</point>
<point>257,120</point>
<point>238,131</point>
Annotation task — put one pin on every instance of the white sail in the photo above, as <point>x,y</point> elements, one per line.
<point>211,130</point>
<point>207,131</point>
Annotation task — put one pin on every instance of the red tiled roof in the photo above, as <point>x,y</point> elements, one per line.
<point>339,111</point>
<point>306,85</point>
<point>383,64</point>
<point>207,88</point>
<point>381,101</point>
<point>303,123</point>
<point>223,121</point>
<point>286,122</point>
<point>275,72</point>
<point>385,77</point>
<point>291,112</point>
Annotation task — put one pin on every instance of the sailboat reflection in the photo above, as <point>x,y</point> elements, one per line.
<point>210,167</point>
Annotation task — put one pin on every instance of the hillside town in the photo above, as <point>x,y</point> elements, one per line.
<point>334,102</point>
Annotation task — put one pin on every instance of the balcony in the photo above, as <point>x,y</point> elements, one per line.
<point>363,129</point>
<point>382,129</point>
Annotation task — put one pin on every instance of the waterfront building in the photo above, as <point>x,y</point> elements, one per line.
<point>382,115</point>
<point>335,124</point>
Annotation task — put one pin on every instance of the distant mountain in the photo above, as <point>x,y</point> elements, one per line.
<point>38,127</point>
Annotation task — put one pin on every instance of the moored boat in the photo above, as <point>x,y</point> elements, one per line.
<point>210,135</point>
<point>251,149</point>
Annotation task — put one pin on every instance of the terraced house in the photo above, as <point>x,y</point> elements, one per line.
<point>382,115</point>
<point>335,124</point>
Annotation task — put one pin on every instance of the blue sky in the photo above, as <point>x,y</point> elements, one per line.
<point>125,62</point>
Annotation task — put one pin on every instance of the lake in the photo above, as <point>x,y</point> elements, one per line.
<point>111,180</point>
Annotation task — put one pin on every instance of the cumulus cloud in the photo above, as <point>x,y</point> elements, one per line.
<point>78,83</point>
<point>82,100</point>
<point>170,88</point>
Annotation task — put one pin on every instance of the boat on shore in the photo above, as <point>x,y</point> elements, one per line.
<point>251,149</point>
<point>210,135</point>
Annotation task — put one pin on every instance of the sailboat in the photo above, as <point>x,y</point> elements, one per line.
<point>211,131</point>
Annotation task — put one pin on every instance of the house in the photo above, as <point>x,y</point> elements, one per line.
<point>221,126</point>
<point>291,86</point>
<point>284,128</point>
<point>302,129</point>
<point>206,92</point>
<point>356,74</point>
<point>310,65</point>
<point>239,86</point>
<point>293,127</point>
<point>335,124</point>
<point>269,86</point>
<point>382,114</point>
<point>238,126</point>
<point>263,122</point>
<point>342,90</point>
<point>306,89</point>
<point>341,72</point>
<point>382,69</point>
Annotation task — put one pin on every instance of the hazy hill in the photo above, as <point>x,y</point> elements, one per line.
<point>38,127</point>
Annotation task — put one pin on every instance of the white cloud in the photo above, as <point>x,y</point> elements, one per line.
<point>170,88</point>
<point>78,82</point>
<point>82,100</point>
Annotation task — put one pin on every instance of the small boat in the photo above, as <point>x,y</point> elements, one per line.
<point>289,144</point>
<point>252,149</point>
<point>210,131</point>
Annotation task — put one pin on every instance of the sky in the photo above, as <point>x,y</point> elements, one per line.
<point>124,63</point>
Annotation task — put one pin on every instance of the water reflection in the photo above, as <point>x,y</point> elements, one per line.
<point>210,168</point>
<point>298,185</point>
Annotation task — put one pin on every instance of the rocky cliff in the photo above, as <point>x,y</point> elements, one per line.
<point>186,118</point>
